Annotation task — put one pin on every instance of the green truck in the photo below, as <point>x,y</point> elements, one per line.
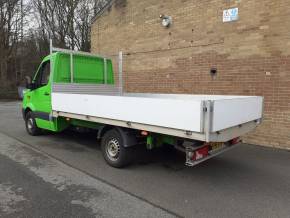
<point>78,89</point>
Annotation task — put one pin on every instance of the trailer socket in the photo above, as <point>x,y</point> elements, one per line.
<point>235,141</point>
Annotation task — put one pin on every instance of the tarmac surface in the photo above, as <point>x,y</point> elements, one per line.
<point>64,175</point>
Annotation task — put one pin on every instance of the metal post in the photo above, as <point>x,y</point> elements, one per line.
<point>121,72</point>
<point>71,68</point>
<point>208,119</point>
<point>105,71</point>
<point>51,64</point>
<point>50,46</point>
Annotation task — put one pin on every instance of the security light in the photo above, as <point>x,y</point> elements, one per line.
<point>166,20</point>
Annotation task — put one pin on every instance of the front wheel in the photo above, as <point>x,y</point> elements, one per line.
<point>114,152</point>
<point>30,124</point>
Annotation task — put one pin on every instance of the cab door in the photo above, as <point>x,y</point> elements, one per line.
<point>41,97</point>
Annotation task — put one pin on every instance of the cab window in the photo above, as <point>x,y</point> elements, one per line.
<point>42,77</point>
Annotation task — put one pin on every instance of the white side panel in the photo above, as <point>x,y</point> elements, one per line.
<point>232,112</point>
<point>172,113</point>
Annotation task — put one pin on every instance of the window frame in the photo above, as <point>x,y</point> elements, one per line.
<point>40,73</point>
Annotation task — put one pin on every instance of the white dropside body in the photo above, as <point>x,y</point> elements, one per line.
<point>175,112</point>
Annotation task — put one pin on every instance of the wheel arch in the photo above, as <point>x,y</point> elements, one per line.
<point>128,135</point>
<point>25,111</point>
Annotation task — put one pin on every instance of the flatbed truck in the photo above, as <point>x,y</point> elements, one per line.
<point>78,89</point>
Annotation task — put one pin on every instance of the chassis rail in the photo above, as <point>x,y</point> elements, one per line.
<point>221,136</point>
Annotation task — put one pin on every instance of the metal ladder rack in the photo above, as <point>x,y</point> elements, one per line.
<point>71,53</point>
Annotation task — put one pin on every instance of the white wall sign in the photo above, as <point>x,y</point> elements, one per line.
<point>230,15</point>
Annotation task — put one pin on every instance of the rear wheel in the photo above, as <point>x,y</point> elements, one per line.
<point>114,152</point>
<point>30,124</point>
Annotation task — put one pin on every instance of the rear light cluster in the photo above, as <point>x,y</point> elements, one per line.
<point>199,153</point>
<point>204,150</point>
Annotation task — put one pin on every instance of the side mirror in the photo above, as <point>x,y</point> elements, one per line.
<point>28,82</point>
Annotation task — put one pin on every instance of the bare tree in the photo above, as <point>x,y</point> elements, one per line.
<point>11,16</point>
<point>67,22</point>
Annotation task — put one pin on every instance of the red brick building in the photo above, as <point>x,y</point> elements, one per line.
<point>251,53</point>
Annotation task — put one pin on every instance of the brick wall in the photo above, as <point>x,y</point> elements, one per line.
<point>252,55</point>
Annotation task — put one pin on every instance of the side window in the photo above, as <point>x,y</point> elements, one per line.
<point>42,77</point>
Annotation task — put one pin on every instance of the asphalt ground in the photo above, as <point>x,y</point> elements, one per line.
<point>248,181</point>
<point>36,185</point>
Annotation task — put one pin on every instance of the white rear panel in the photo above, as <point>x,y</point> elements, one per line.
<point>173,113</point>
<point>232,112</point>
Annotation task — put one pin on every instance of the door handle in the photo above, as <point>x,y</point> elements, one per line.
<point>46,94</point>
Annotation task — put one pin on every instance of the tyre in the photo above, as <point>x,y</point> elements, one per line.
<point>114,152</point>
<point>30,124</point>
